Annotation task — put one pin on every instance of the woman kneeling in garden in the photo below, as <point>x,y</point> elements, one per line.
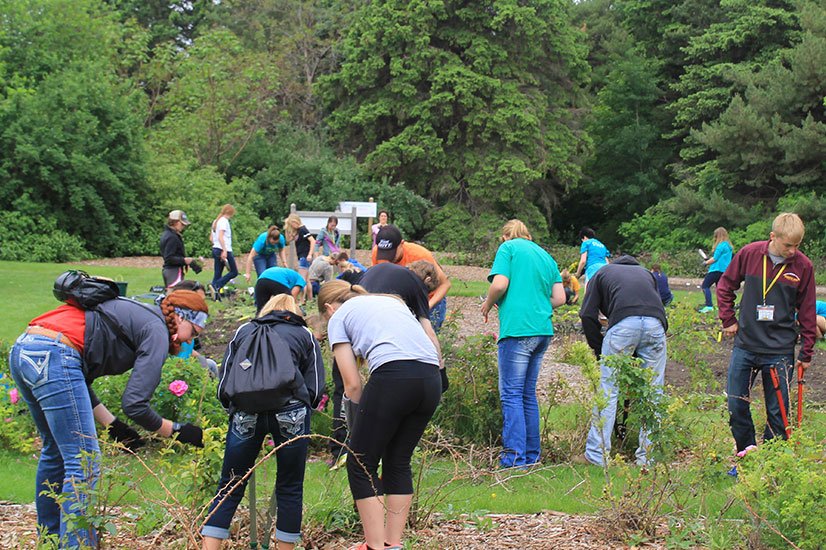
<point>389,415</point>
<point>281,410</point>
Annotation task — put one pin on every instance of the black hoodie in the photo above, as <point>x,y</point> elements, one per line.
<point>621,289</point>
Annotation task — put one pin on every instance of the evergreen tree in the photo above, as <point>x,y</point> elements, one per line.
<point>464,101</point>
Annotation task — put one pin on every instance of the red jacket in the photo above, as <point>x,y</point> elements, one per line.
<point>793,298</point>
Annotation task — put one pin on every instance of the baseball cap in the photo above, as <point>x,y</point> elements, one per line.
<point>388,240</point>
<point>179,216</point>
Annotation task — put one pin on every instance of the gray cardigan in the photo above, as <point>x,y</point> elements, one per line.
<point>140,343</point>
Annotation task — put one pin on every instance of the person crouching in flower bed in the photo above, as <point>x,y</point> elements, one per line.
<point>288,418</point>
<point>52,363</point>
<point>390,413</point>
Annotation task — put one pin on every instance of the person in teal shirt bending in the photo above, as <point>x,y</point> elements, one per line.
<point>526,286</point>
<point>593,254</point>
<point>264,250</point>
<point>721,253</point>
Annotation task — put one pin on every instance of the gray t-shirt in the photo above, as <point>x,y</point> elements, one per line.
<point>321,270</point>
<point>380,329</point>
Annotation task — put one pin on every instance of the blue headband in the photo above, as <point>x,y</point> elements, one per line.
<point>197,318</point>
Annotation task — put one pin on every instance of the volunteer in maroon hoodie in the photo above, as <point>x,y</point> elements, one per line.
<point>778,299</point>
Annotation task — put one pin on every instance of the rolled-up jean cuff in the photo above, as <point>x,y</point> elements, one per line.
<point>291,538</point>
<point>215,532</point>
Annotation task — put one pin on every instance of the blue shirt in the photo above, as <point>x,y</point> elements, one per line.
<point>263,247</point>
<point>597,256</point>
<point>662,286</point>
<point>722,257</point>
<point>820,308</point>
<point>284,275</point>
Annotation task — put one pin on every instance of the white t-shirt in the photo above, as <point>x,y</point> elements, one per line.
<point>381,329</point>
<point>222,223</point>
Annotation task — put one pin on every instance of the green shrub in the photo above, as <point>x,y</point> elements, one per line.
<point>17,430</point>
<point>470,410</point>
<point>783,485</point>
<point>37,239</point>
<point>198,402</point>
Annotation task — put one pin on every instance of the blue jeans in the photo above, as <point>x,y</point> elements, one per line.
<point>742,373</point>
<point>711,278</point>
<point>519,362</point>
<point>244,438</point>
<point>437,315</point>
<point>49,377</point>
<point>218,281</point>
<point>263,262</point>
<point>644,336</point>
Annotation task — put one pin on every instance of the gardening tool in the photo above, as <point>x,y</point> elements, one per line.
<point>776,384</point>
<point>801,382</point>
<point>265,543</point>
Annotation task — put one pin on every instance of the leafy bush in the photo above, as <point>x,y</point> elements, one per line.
<point>470,410</point>
<point>198,402</point>
<point>783,485</point>
<point>36,238</point>
<point>17,430</point>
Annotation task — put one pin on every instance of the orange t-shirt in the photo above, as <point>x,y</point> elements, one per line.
<point>69,320</point>
<point>573,283</point>
<point>411,252</point>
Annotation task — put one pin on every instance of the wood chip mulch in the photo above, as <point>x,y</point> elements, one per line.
<point>544,530</point>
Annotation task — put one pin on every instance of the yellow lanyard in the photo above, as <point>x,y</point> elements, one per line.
<point>779,273</point>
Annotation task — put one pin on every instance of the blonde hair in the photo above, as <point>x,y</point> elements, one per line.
<point>337,292</point>
<point>291,225</point>
<point>226,211</point>
<point>788,225</point>
<point>515,229</point>
<point>720,235</point>
<point>426,271</point>
<point>566,275</point>
<point>280,302</point>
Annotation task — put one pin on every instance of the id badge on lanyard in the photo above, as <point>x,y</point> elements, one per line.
<point>765,312</point>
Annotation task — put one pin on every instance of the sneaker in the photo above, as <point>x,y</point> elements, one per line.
<point>747,450</point>
<point>706,309</point>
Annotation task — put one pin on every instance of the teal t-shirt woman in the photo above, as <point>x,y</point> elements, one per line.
<point>526,285</point>
<point>593,254</point>
<point>721,253</point>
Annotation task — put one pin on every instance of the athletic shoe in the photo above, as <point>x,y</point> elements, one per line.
<point>706,309</point>
<point>747,450</point>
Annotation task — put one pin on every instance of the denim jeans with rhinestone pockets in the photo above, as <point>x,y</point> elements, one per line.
<point>49,376</point>
<point>519,362</point>
<point>244,438</point>
<point>644,336</point>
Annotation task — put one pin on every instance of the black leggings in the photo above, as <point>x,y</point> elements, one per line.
<point>266,289</point>
<point>396,405</point>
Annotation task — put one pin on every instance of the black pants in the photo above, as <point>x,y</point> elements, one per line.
<point>266,289</point>
<point>339,435</point>
<point>396,405</point>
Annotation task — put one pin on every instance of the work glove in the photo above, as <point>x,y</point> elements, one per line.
<point>445,381</point>
<point>125,435</point>
<point>190,433</point>
<point>349,411</point>
<point>208,364</point>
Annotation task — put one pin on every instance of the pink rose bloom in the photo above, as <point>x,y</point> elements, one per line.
<point>178,387</point>
<point>14,397</point>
